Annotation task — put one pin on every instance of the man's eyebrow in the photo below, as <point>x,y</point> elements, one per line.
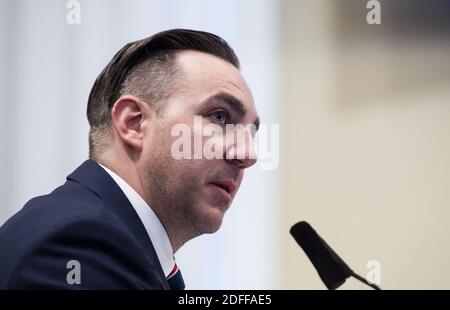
<point>235,104</point>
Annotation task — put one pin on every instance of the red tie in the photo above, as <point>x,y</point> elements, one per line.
<point>175,279</point>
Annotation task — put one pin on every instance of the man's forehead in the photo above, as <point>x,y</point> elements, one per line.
<point>210,74</point>
<point>206,68</point>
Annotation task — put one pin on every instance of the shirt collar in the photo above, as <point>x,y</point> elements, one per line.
<point>152,224</point>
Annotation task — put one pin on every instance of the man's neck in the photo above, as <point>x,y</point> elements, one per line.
<point>177,236</point>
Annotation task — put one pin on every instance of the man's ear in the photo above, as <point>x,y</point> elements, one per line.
<point>130,116</point>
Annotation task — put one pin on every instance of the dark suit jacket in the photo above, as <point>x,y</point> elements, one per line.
<point>88,219</point>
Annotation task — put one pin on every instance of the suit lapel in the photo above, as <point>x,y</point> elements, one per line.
<point>97,180</point>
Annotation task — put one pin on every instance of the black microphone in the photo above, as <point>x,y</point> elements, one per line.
<point>331,268</point>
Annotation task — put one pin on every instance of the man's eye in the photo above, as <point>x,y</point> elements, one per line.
<point>220,117</point>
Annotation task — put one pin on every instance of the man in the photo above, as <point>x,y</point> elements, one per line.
<point>120,217</point>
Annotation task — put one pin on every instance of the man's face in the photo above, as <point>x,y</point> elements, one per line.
<point>195,193</point>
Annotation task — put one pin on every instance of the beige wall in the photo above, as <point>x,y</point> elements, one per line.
<point>365,150</point>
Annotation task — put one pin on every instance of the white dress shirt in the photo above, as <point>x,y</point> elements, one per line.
<point>153,226</point>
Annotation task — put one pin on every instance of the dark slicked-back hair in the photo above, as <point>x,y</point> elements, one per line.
<point>147,70</point>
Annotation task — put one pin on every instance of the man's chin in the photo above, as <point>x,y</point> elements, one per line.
<point>211,220</point>
<point>212,229</point>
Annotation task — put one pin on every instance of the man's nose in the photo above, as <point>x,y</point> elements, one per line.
<point>241,151</point>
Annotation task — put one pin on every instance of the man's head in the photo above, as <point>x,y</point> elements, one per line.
<point>149,88</point>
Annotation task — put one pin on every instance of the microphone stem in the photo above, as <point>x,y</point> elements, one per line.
<point>363,280</point>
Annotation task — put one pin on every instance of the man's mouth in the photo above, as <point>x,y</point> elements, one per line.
<point>227,186</point>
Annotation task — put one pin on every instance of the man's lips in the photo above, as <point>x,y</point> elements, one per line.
<point>228,186</point>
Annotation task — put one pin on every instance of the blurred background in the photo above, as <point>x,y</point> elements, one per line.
<point>363,112</point>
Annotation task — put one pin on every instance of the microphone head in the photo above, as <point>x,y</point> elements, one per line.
<point>331,268</point>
